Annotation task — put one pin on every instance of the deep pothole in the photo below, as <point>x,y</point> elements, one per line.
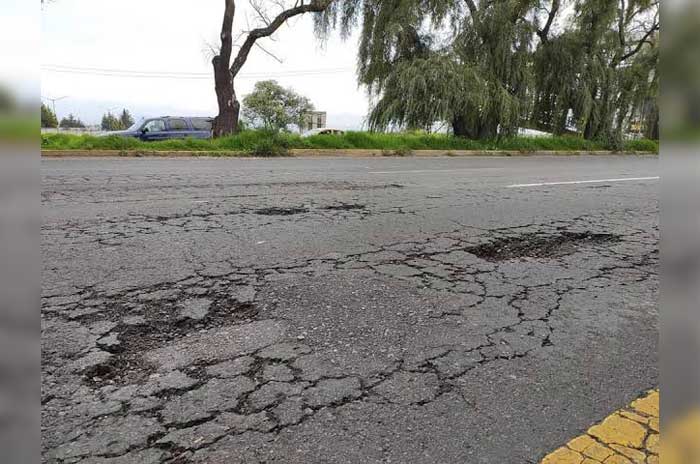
<point>538,245</point>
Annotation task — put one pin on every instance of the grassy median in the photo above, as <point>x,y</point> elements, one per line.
<point>262,143</point>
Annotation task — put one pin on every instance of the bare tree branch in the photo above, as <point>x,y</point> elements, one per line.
<point>645,39</point>
<point>260,11</point>
<point>261,32</point>
<point>544,32</point>
<point>269,53</point>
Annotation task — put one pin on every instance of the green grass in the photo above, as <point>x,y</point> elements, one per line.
<point>642,145</point>
<point>259,143</point>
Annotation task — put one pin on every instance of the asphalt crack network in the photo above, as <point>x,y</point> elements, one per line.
<point>170,364</point>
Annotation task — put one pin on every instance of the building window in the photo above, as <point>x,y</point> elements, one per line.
<point>319,121</point>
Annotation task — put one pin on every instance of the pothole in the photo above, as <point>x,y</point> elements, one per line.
<point>603,186</point>
<point>280,211</point>
<point>120,370</point>
<point>539,246</point>
<point>372,187</point>
<point>157,323</point>
<point>344,207</point>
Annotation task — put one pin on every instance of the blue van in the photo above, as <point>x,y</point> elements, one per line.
<point>169,127</point>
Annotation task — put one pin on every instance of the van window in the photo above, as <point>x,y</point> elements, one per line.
<point>178,125</point>
<point>201,124</point>
<point>154,125</point>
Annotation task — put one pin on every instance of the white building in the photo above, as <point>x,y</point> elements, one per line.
<point>314,120</point>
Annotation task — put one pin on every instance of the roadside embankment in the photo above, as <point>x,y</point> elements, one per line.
<point>352,153</point>
<point>266,144</point>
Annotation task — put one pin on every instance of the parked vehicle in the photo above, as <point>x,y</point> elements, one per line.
<point>323,131</point>
<point>168,127</point>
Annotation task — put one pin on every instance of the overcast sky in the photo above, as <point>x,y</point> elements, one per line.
<point>173,36</point>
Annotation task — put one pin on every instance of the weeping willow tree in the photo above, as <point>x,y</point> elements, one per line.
<point>599,75</point>
<point>487,67</point>
<point>428,61</point>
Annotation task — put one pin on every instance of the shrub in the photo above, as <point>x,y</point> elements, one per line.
<point>642,145</point>
<point>271,146</point>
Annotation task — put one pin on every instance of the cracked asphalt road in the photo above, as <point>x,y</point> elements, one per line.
<point>342,310</point>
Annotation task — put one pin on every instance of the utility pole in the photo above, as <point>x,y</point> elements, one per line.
<point>53,104</point>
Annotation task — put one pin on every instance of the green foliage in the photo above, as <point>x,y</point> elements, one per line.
<point>425,90</point>
<point>642,145</point>
<point>48,117</point>
<point>264,143</point>
<point>126,119</point>
<point>273,108</point>
<point>429,61</point>
<point>271,145</point>
<point>71,122</point>
<point>110,122</point>
<point>600,75</point>
<point>489,67</point>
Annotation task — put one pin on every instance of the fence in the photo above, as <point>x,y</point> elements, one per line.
<point>74,131</point>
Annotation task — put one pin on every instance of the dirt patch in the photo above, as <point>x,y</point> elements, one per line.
<point>538,246</point>
<point>280,211</point>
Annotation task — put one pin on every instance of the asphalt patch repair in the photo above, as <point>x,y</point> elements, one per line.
<point>538,246</point>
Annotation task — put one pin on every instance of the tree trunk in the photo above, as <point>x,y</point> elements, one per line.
<point>226,123</point>
<point>488,129</point>
<point>651,125</point>
<point>460,128</point>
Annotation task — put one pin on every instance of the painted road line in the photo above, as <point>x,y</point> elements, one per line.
<point>592,181</point>
<point>628,436</point>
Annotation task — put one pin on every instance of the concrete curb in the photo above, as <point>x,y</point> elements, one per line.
<point>325,153</point>
<point>628,435</point>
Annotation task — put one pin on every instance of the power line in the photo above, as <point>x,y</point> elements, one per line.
<point>53,102</point>
<point>64,69</point>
